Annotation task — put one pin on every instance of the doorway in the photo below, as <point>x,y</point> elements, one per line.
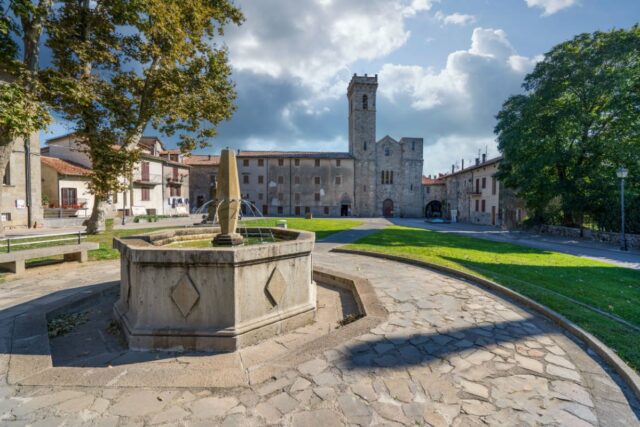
<point>387,208</point>
<point>344,210</point>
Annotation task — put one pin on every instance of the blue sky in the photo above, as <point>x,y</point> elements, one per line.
<point>444,68</point>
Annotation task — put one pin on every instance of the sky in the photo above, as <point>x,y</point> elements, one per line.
<point>444,68</point>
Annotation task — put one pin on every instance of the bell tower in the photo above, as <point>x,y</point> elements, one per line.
<point>362,141</point>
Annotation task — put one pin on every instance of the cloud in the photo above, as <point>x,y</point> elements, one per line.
<point>455,18</point>
<point>551,6</point>
<point>457,104</point>
<point>452,149</point>
<point>314,43</point>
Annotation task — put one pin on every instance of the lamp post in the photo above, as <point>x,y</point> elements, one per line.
<point>622,174</point>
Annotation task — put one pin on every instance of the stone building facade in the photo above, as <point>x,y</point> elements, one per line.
<point>434,192</point>
<point>374,178</point>
<point>21,207</point>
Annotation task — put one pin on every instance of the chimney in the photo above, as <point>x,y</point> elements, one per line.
<point>484,157</point>
<point>462,164</point>
<point>238,152</point>
<point>453,168</point>
<point>209,156</point>
<point>477,161</point>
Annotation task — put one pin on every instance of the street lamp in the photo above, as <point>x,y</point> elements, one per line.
<point>622,174</point>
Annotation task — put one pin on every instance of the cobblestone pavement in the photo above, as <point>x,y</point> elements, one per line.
<point>449,354</point>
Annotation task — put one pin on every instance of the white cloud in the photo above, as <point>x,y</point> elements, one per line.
<point>316,42</point>
<point>551,6</point>
<point>459,102</point>
<point>452,149</point>
<point>455,18</point>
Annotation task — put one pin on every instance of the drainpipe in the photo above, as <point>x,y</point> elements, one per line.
<point>27,166</point>
<point>290,188</point>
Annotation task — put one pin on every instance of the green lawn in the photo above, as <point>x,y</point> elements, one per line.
<point>105,239</point>
<point>535,273</point>
<point>323,227</point>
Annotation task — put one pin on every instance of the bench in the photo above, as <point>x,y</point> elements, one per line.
<point>15,261</point>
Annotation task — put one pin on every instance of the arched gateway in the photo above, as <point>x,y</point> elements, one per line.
<point>387,208</point>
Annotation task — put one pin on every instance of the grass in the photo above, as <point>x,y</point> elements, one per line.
<point>323,227</point>
<point>543,276</point>
<point>105,240</point>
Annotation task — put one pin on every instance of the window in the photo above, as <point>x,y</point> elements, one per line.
<point>494,185</point>
<point>386,177</point>
<point>173,191</point>
<point>316,180</point>
<point>297,210</point>
<point>387,151</point>
<point>260,179</point>
<point>245,179</point>
<point>477,205</point>
<point>296,179</point>
<point>338,163</point>
<point>411,187</point>
<point>260,196</point>
<point>265,210</point>
<point>296,197</point>
<point>145,194</point>
<point>477,186</point>
<point>413,146</point>
<point>174,173</point>
<point>316,197</point>
<point>144,171</point>
<point>296,162</point>
<point>69,197</point>
<point>326,210</point>
<point>428,190</point>
<point>365,102</point>
<point>307,209</point>
<point>484,205</point>
<point>338,180</point>
<point>317,163</point>
<point>280,197</point>
<point>280,210</point>
<point>245,162</point>
<point>280,162</point>
<point>280,179</point>
<point>260,162</point>
<point>6,179</point>
<point>212,179</point>
<point>484,182</point>
<point>365,146</point>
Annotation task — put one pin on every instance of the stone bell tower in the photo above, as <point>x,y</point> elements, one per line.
<point>362,141</point>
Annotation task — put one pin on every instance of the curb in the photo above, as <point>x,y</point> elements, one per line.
<point>631,378</point>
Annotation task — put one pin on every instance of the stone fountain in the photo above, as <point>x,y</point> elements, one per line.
<point>218,298</point>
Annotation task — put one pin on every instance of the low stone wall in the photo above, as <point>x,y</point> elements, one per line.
<point>63,222</point>
<point>633,240</point>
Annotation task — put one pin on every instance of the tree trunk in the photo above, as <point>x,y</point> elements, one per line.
<point>6,146</point>
<point>96,224</point>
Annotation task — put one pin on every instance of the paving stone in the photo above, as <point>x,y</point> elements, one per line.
<point>170,415</point>
<point>558,371</point>
<point>313,367</point>
<point>354,409</point>
<point>399,389</point>
<point>273,386</point>
<point>560,361</point>
<point>572,392</point>
<point>326,379</point>
<point>325,393</point>
<point>365,391</point>
<point>283,402</point>
<point>475,388</point>
<point>268,412</point>
<point>530,364</point>
<point>477,407</point>
<point>212,407</point>
<point>137,403</point>
<point>35,403</point>
<point>317,418</point>
<point>299,385</point>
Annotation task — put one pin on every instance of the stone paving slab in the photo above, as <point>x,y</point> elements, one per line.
<point>448,354</point>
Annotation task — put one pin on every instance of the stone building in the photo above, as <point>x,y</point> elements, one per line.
<point>374,178</point>
<point>434,193</point>
<point>66,185</point>
<point>21,202</point>
<point>160,178</point>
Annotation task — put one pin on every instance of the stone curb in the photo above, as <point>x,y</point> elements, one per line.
<point>631,378</point>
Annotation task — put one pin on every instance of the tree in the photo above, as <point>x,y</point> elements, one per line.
<point>576,123</point>
<point>22,111</point>
<point>124,65</point>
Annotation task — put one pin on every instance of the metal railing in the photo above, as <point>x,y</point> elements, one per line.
<point>151,178</point>
<point>11,242</point>
<point>65,213</point>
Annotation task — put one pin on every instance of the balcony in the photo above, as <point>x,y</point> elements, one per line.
<point>175,180</point>
<point>474,193</point>
<point>147,180</point>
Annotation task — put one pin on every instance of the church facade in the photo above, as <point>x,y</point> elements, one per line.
<point>374,178</point>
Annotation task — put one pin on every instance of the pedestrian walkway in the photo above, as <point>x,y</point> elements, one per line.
<point>450,353</point>
<point>583,248</point>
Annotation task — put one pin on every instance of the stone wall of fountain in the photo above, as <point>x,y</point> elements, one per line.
<point>219,298</point>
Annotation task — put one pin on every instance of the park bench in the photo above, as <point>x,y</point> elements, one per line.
<point>14,260</point>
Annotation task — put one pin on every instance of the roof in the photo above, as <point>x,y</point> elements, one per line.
<point>149,141</point>
<point>64,167</point>
<point>202,160</point>
<point>171,151</point>
<point>431,181</point>
<point>293,154</point>
<point>474,167</point>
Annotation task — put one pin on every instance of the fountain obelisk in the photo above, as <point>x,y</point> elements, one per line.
<point>228,195</point>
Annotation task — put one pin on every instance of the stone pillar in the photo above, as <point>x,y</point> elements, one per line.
<point>228,195</point>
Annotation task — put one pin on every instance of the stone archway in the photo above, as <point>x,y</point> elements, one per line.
<point>433,209</point>
<point>387,208</point>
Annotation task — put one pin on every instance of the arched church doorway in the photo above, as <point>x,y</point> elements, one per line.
<point>387,208</point>
<point>433,209</point>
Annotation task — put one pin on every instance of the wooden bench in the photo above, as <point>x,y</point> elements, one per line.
<point>15,261</point>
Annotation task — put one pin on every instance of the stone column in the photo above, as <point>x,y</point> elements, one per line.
<point>228,195</point>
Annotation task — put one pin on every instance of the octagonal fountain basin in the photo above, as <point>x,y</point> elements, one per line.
<point>177,297</point>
